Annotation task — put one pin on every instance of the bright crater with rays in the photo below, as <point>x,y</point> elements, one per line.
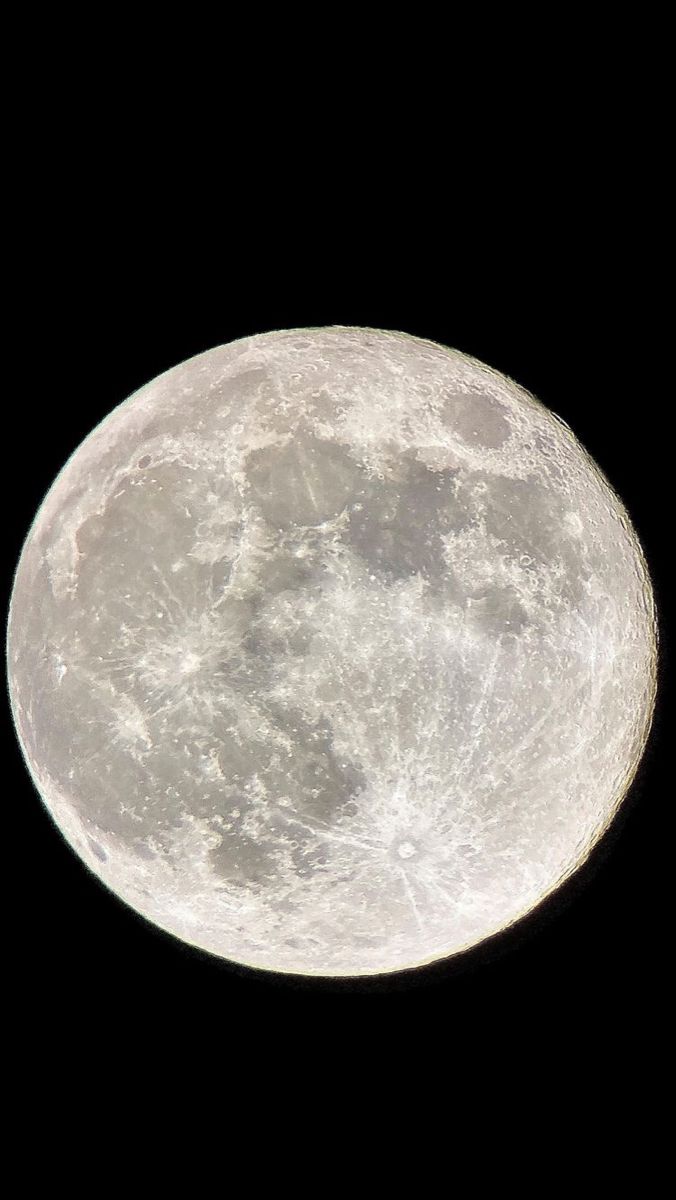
<point>331,651</point>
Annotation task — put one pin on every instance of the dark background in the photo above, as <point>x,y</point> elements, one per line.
<point>546,278</point>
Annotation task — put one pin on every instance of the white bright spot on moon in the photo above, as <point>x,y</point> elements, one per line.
<point>406,850</point>
<point>355,675</point>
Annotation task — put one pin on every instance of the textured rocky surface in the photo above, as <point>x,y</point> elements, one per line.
<point>330,651</point>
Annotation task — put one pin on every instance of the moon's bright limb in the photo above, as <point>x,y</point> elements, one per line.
<point>331,651</point>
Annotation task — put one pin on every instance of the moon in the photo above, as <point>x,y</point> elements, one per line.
<point>332,652</point>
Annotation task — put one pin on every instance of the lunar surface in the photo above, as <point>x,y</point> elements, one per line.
<point>331,651</point>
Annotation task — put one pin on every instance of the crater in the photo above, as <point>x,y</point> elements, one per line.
<point>406,850</point>
<point>97,850</point>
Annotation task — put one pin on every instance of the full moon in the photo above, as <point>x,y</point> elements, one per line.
<point>332,652</point>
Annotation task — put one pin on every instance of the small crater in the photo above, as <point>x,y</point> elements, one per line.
<point>143,462</point>
<point>97,850</point>
<point>406,850</point>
